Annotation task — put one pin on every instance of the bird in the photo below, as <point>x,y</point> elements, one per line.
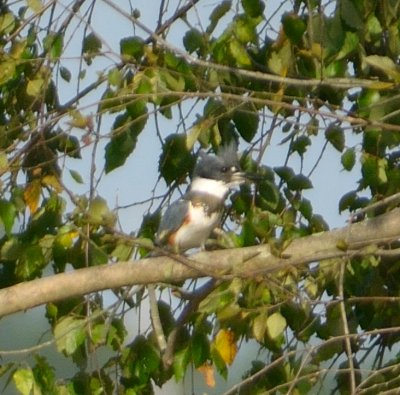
<point>189,221</point>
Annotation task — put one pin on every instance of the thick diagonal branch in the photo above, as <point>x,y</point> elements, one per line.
<point>243,262</point>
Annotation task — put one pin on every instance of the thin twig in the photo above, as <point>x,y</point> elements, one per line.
<point>381,203</point>
<point>340,83</point>
<point>155,318</point>
<point>191,306</point>
<point>346,331</point>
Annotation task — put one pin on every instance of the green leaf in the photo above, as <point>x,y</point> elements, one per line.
<point>137,111</point>
<point>299,182</point>
<point>284,172</point>
<point>91,47</point>
<point>347,201</point>
<point>76,176</point>
<point>200,348</point>
<point>174,82</point>
<point>350,14</point>
<point>239,53</point>
<point>246,121</point>
<point>175,161</point>
<point>193,40</point>
<point>7,70</point>
<point>294,27</point>
<point>53,43</point>
<point>146,359</point>
<point>8,213</point>
<point>122,251</point>
<point>98,333</point>
<point>132,47</point>
<point>99,213</point>
<point>348,159</point>
<point>45,376</point>
<point>327,351</point>
<point>280,61</point>
<point>366,100</point>
<point>30,263</point>
<point>300,145</point>
<point>350,44</point>
<point>217,13</point>
<point>306,209</point>
<point>253,8</point>
<point>126,129</point>
<point>270,194</point>
<point>275,325</point>
<point>385,64</point>
<point>244,30</point>
<point>24,380</point>
<point>98,254</point>
<point>69,145</point>
<point>7,23</point>
<point>373,170</point>
<point>217,300</point>
<point>318,224</point>
<point>69,334</point>
<point>181,361</point>
<point>65,74</point>
<point>116,334</point>
<point>11,250</point>
<point>219,362</point>
<point>115,78</point>
<point>335,135</point>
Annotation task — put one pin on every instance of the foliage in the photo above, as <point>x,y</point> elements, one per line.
<point>311,80</point>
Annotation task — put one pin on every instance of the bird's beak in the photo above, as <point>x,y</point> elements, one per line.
<point>241,177</point>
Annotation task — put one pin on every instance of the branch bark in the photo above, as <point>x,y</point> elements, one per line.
<point>243,262</point>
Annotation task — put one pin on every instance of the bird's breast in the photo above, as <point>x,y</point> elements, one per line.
<point>197,226</point>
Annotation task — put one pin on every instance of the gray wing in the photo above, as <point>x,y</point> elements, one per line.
<point>172,220</point>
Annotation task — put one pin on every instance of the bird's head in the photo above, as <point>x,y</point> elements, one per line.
<point>224,167</point>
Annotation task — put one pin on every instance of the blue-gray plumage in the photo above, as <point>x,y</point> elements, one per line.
<point>172,219</point>
<point>189,221</point>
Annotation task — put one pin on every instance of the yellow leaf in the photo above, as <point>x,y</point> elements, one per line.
<point>32,195</point>
<point>259,327</point>
<point>378,85</point>
<point>80,121</point>
<point>35,87</point>
<point>208,372</point>
<point>36,5</point>
<point>385,64</point>
<point>316,50</point>
<point>52,181</point>
<point>66,239</point>
<point>226,345</point>
<point>3,162</point>
<point>276,324</point>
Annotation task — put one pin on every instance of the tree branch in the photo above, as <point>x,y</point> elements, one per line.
<point>243,262</point>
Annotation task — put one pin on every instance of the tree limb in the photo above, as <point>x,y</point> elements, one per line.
<point>243,262</point>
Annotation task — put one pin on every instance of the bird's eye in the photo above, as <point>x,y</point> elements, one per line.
<point>224,169</point>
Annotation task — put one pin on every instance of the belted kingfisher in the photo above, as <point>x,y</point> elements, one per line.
<point>189,221</point>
